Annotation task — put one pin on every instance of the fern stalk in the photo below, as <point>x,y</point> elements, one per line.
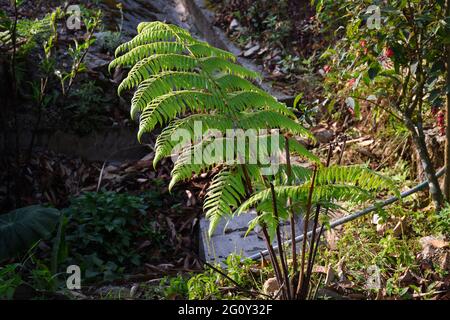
<point>291,211</point>
<point>272,254</point>
<point>274,259</point>
<point>280,244</point>
<point>300,286</point>
<point>315,242</point>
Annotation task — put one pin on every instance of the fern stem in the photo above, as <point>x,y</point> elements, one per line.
<point>272,254</point>
<point>305,233</point>
<point>315,242</point>
<point>280,244</point>
<point>319,236</point>
<point>291,211</point>
<point>273,258</point>
<point>312,248</point>
<point>248,182</point>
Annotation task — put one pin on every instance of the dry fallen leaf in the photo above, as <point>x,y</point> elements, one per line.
<point>435,242</point>
<point>192,201</point>
<point>271,286</point>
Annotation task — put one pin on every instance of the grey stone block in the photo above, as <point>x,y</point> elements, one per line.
<point>229,238</point>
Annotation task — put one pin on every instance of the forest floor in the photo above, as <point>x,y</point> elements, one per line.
<point>62,181</point>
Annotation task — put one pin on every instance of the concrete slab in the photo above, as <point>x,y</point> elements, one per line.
<point>230,238</point>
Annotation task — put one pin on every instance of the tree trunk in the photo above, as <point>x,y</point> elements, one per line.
<point>429,170</point>
<point>447,130</point>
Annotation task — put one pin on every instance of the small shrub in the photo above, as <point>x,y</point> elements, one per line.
<point>213,285</point>
<point>108,41</point>
<point>87,108</point>
<point>105,231</point>
<point>10,279</point>
<point>177,288</point>
<point>442,223</point>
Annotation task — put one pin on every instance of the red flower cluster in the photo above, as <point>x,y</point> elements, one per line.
<point>388,52</point>
<point>351,82</point>
<point>363,44</point>
<point>351,111</point>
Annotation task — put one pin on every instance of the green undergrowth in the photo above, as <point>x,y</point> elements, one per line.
<point>108,235</point>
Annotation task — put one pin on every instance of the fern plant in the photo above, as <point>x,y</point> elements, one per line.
<point>181,82</point>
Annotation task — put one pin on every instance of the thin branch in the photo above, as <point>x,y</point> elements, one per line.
<point>379,106</point>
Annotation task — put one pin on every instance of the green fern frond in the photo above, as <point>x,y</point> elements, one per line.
<point>158,26</point>
<point>336,183</point>
<point>5,38</point>
<point>192,160</point>
<point>181,80</point>
<point>299,173</point>
<point>135,55</point>
<point>216,59</point>
<point>155,65</point>
<point>299,194</point>
<point>164,145</point>
<point>164,83</point>
<point>357,175</point>
<point>301,151</point>
<point>267,119</point>
<point>148,32</point>
<point>152,35</point>
<point>238,101</point>
<point>166,107</point>
<point>232,82</point>
<point>244,120</point>
<point>214,65</point>
<point>202,49</point>
<point>225,193</point>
